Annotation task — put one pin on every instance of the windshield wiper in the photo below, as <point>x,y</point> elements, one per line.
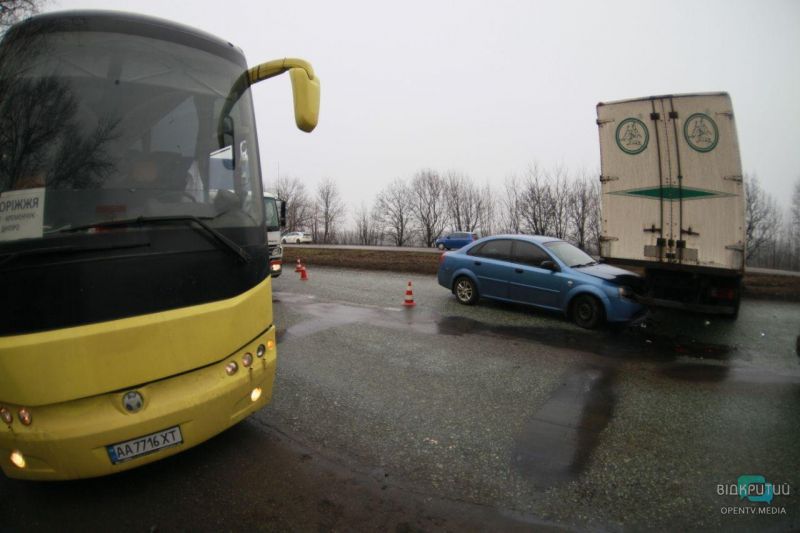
<point>590,263</point>
<point>70,249</point>
<point>221,239</point>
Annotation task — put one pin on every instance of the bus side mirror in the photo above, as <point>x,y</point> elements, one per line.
<point>306,99</point>
<point>283,213</point>
<point>305,91</point>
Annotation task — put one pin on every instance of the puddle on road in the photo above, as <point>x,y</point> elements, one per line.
<point>557,442</point>
<point>633,342</point>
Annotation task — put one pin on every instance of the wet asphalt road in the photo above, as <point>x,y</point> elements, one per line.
<point>495,417</point>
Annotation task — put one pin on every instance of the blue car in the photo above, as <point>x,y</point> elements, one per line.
<point>456,240</point>
<point>544,272</point>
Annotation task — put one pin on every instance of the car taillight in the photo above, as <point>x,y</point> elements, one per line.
<point>441,258</point>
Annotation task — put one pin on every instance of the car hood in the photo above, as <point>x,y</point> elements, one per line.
<point>616,275</point>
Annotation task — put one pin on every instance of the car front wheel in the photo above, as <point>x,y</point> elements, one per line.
<point>587,311</point>
<point>465,290</point>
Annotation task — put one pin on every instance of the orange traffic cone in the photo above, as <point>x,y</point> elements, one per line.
<point>409,301</point>
<point>303,274</point>
<point>299,267</point>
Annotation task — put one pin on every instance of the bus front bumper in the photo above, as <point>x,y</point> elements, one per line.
<point>72,439</point>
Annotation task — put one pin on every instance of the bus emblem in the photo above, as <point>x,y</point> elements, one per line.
<point>132,401</point>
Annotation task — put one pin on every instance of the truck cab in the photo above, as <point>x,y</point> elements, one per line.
<point>275,217</point>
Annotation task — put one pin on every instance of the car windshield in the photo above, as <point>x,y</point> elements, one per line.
<point>97,127</point>
<point>569,254</point>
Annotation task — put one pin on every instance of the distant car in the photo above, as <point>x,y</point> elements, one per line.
<point>296,237</point>
<point>544,272</point>
<point>456,240</point>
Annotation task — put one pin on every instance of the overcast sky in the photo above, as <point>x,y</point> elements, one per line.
<point>487,87</point>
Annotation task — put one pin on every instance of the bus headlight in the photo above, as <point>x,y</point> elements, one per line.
<point>231,368</point>
<point>247,359</point>
<point>261,350</point>
<point>6,416</point>
<point>18,459</point>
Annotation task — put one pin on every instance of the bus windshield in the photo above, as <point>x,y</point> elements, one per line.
<point>97,127</point>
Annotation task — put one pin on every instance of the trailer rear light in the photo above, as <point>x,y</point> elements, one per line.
<point>18,459</point>
<point>723,294</point>
<point>25,417</point>
<point>6,416</point>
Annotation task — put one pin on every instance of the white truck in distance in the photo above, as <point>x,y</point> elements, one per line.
<point>672,198</point>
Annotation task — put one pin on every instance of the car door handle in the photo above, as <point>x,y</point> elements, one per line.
<point>478,263</point>
<point>518,270</point>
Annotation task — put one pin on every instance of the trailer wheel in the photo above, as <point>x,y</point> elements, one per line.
<point>587,311</point>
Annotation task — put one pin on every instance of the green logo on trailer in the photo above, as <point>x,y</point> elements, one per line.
<point>632,136</point>
<point>671,193</point>
<point>701,132</point>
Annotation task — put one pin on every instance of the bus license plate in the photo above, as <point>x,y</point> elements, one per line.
<point>131,449</point>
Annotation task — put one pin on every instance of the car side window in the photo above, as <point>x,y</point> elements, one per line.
<point>498,249</point>
<point>529,254</point>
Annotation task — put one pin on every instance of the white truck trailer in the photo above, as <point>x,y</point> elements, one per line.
<point>673,198</point>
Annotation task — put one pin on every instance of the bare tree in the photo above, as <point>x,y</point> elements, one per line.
<point>486,217</point>
<point>428,205</point>
<point>13,11</point>
<point>466,202</point>
<point>582,212</point>
<point>761,216</point>
<point>511,203</point>
<point>329,210</point>
<point>536,202</point>
<point>794,228</point>
<point>299,210</point>
<point>393,207</point>
<point>368,226</point>
<point>560,194</point>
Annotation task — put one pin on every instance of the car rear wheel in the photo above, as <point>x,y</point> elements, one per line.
<point>465,290</point>
<point>297,241</point>
<point>440,246</point>
<point>587,311</point>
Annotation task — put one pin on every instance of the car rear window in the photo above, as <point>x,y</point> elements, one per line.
<point>496,249</point>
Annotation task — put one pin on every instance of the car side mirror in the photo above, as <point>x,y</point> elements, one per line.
<point>550,265</point>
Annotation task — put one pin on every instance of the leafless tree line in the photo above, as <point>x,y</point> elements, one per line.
<point>419,210</point>
<point>773,236</point>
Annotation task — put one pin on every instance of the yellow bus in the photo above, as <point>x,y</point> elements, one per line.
<point>136,311</point>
